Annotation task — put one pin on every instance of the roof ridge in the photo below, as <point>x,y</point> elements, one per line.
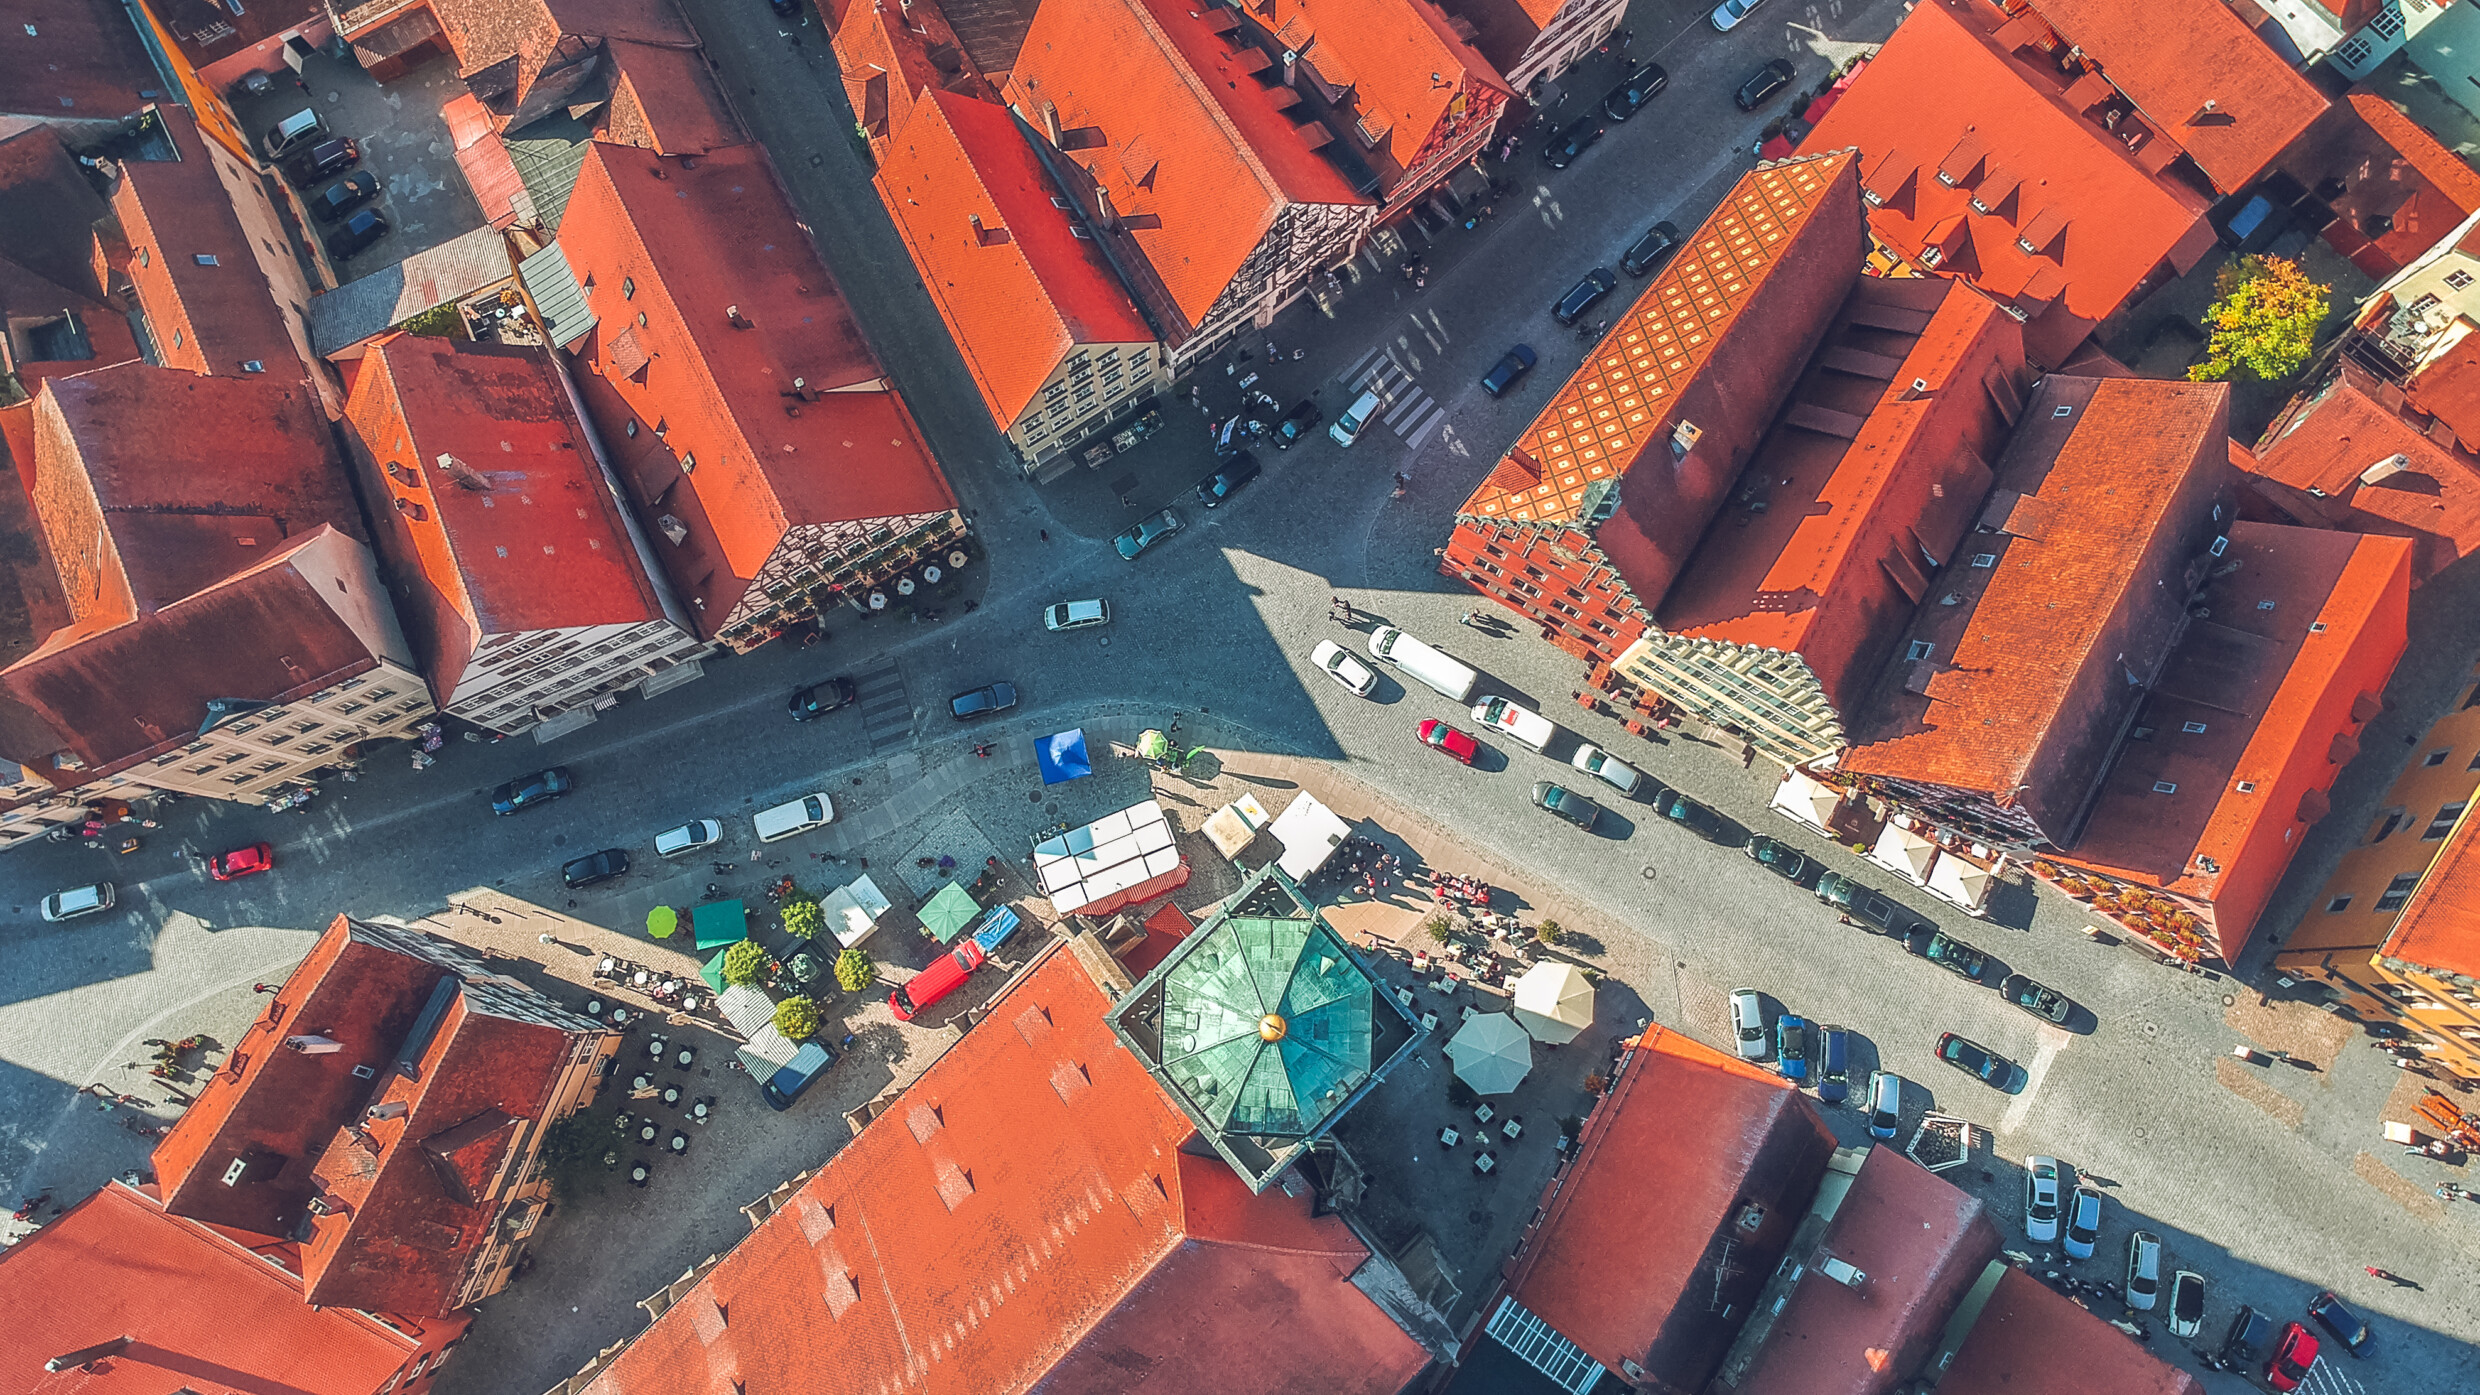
<point>1204,95</point>
<point>966,344</point>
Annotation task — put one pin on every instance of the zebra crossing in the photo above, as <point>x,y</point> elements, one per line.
<point>1410,413</point>
<point>886,712</point>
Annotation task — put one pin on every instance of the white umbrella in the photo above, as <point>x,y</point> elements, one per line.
<point>1491,1054</point>
<point>1554,1002</point>
<point>1901,850</point>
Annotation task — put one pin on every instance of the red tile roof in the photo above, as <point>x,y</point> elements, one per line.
<point>1943,98</point>
<point>666,100</point>
<point>207,1316</point>
<point>1188,146</point>
<point>2437,929</point>
<point>682,248</point>
<point>483,157</point>
<point>2307,627</point>
<point>2199,73</point>
<point>48,211</point>
<point>519,534</point>
<point>1025,1217</point>
<point>210,31</point>
<point>1018,288</point>
<point>1829,571</point>
<point>1665,1197</point>
<point>2394,176</point>
<point>2032,1340</point>
<point>1741,304</point>
<point>2097,514</point>
<point>662,95</point>
<point>74,60</point>
<point>2331,436</point>
<point>884,55</point>
<point>1409,72</point>
<point>32,605</point>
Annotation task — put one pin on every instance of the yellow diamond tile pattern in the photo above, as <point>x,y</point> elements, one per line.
<point>1596,424</point>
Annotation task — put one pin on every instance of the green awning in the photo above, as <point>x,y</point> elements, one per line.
<point>712,969</point>
<point>719,923</point>
<point>947,914</point>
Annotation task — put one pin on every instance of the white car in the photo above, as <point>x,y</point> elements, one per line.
<point>689,837</point>
<point>1505,717</point>
<point>1076,615</point>
<point>77,901</point>
<point>1885,1103</point>
<point>2186,1303</point>
<point>2042,1185</point>
<point>1748,1024</point>
<point>1339,665</point>
<point>1607,768</point>
<point>2143,1270</point>
<point>1730,12</point>
<point>2083,1223</point>
<point>796,816</point>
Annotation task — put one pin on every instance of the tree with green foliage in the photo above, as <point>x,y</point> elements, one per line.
<point>802,918</point>
<point>797,1018</point>
<point>854,970</point>
<point>744,963</point>
<point>569,1151</point>
<point>2263,320</point>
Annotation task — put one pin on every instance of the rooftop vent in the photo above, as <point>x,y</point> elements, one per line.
<point>385,1109</point>
<point>2385,469</point>
<point>1842,1272</point>
<point>313,1045</point>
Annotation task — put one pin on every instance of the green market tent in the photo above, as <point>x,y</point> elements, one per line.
<point>662,921</point>
<point>946,915</point>
<point>720,923</point>
<point>712,969</point>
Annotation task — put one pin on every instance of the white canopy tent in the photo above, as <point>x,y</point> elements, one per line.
<point>1902,851</point>
<point>1309,832</point>
<point>1964,883</point>
<point>852,910</point>
<point>1807,801</point>
<point>1491,1054</point>
<point>1554,1002</point>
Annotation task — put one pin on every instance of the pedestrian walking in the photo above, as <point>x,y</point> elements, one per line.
<point>1046,534</point>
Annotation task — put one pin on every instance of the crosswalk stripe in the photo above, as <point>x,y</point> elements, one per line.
<point>1416,438</point>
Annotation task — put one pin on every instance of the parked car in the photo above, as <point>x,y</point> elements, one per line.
<point>241,862</point>
<point>1833,1064</point>
<point>356,236</point>
<point>1339,663</point>
<point>1607,768</point>
<point>2292,1356</point>
<point>1076,615</point>
<point>343,196</point>
<point>2143,1270</point>
<point>1566,804</point>
<point>526,791</point>
<point>1355,419</point>
<point>2044,1186</point>
<point>1748,1023</point>
<point>77,901</point>
<point>594,867</point>
<point>1223,483</point>
<point>1974,1059</point>
<point>819,699</point>
<point>2186,1303</point>
<point>1296,423</point>
<point>1511,366</point>
<point>982,701</point>
<point>1438,736</point>
<point>292,133</point>
<point>1147,533</point>
<point>1885,1103</point>
<point>1587,293</point>
<point>2347,1327</point>
<point>1690,815</point>
<point>793,816</point>
<point>2083,1222</point>
<point>1947,953</point>
<point>1779,858</point>
<point>2250,1338</point>
<point>1764,82</point>
<point>2046,1003</point>
<point>1791,1046</point>
<point>1634,90</point>
<point>788,9</point>
<point>799,1073</point>
<point>1501,715</point>
<point>1578,137</point>
<point>689,837</point>
<point>1866,908</point>
<point>323,160</point>
<point>945,975</point>
<point>1730,12</point>
<point>1651,250</point>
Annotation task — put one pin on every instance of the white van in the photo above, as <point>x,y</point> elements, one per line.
<point>1432,666</point>
<point>1505,717</point>
<point>799,816</point>
<point>1355,419</point>
<point>1076,615</point>
<point>78,901</point>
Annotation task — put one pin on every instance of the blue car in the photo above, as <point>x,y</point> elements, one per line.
<point>1791,1046</point>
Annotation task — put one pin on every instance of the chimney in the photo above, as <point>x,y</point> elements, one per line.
<point>733,313</point>
<point>85,1356</point>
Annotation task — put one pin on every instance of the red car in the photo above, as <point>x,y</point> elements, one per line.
<point>1438,736</point>
<point>2292,1356</point>
<point>241,862</point>
<point>946,974</point>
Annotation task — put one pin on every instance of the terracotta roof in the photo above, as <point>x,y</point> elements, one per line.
<point>1409,72</point>
<point>1943,98</point>
<point>209,316</point>
<point>32,605</point>
<point>483,158</point>
<point>204,1313</point>
<point>666,100</point>
<point>1668,1197</point>
<point>2396,176</point>
<point>1832,569</point>
<point>683,248</point>
<point>48,210</point>
<point>2437,929</point>
<point>536,57</point>
<point>1188,146</point>
<point>207,31</point>
<point>2104,498</point>
<point>2032,1340</point>
<point>2448,388</point>
<point>1033,1178</point>
<point>2197,70</point>
<point>885,54</point>
<point>2307,627</point>
<point>1741,304</point>
<point>2328,438</point>
<point>506,525</point>
<point>1503,29</point>
<point>74,60</point>
<point>1018,288</point>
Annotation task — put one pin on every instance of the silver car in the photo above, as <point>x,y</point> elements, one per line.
<point>2143,1270</point>
<point>2083,1223</point>
<point>1147,533</point>
<point>1748,1023</point>
<point>2042,1184</point>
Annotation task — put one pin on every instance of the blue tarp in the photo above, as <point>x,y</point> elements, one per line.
<point>1062,757</point>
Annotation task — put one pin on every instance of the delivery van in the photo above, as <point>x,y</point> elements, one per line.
<point>946,974</point>
<point>1432,666</point>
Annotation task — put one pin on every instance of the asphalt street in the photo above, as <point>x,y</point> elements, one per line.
<point>2269,1201</point>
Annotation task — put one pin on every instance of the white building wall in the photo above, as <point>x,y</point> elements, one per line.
<point>517,680</point>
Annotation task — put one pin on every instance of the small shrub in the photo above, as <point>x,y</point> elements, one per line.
<point>1593,1084</point>
<point>802,918</point>
<point>854,970</point>
<point>744,963</point>
<point>439,322</point>
<point>797,1018</point>
<point>1548,932</point>
<point>1439,928</point>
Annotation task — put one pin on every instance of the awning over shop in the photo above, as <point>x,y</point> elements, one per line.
<point>1807,801</point>
<point>1235,825</point>
<point>1952,878</point>
<point>852,910</point>
<point>1309,832</point>
<point>1902,851</point>
<point>1062,757</point>
<point>719,923</point>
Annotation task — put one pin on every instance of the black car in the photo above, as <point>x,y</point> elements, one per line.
<point>1976,1060</point>
<point>1779,858</point>
<point>1641,87</point>
<point>594,867</point>
<point>1565,803</point>
<point>1224,483</point>
<point>819,699</point>
<point>1570,143</point>
<point>1764,83</point>
<point>1296,423</point>
<point>981,702</point>
<point>1504,373</point>
<point>1946,952</point>
<point>325,160</point>
<point>343,196</point>
<point>1587,294</point>
<point>2348,1327</point>
<point>2250,1337</point>
<point>2043,1002</point>
<point>1689,814</point>
<point>1651,250</point>
<point>355,237</point>
<point>786,8</point>
<point>526,791</point>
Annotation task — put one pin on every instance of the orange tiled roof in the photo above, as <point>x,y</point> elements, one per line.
<point>1025,1216</point>
<point>2327,439</point>
<point>209,306</point>
<point>1942,97</point>
<point>2437,929</point>
<point>1018,288</point>
<point>1186,143</point>
<point>78,60</point>
<point>2032,1340</point>
<point>1408,69</point>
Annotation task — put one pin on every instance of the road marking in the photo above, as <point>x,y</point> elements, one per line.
<point>886,713</point>
<point>2053,1041</point>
